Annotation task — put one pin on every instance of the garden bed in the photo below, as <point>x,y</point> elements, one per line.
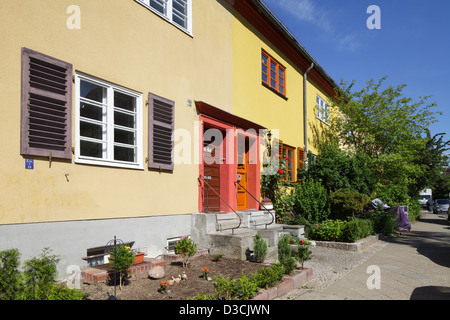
<point>141,287</point>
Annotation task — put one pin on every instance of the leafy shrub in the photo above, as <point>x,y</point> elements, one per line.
<point>243,288</point>
<point>311,200</point>
<point>186,248</point>
<point>268,277</point>
<point>203,296</point>
<point>328,230</point>
<point>226,289</point>
<point>338,169</point>
<point>357,229</point>
<point>10,277</point>
<point>61,292</point>
<point>247,288</point>
<point>347,203</point>
<point>285,254</point>
<point>260,248</point>
<point>36,282</point>
<point>414,210</point>
<point>384,222</point>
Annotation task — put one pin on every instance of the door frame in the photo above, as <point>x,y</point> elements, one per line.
<point>228,167</point>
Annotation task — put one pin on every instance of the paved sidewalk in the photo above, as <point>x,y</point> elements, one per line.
<point>412,266</point>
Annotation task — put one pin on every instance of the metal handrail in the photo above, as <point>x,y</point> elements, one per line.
<point>272,216</point>
<point>240,221</point>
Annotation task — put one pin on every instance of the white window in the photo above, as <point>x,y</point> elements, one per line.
<point>108,124</point>
<point>322,109</point>
<point>177,12</point>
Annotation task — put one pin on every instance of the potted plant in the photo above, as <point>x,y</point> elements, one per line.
<point>266,204</point>
<point>138,257</point>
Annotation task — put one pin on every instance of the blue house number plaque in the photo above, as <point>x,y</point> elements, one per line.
<point>29,164</point>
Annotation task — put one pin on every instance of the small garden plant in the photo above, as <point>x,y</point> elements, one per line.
<point>121,259</point>
<point>205,273</point>
<point>260,248</point>
<point>163,285</point>
<point>285,254</point>
<point>186,248</point>
<point>303,253</point>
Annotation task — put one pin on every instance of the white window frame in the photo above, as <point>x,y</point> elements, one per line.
<point>323,110</point>
<point>108,159</point>
<point>168,15</point>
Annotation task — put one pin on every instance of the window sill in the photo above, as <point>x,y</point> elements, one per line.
<point>274,91</point>
<point>323,121</point>
<point>162,16</point>
<point>106,163</point>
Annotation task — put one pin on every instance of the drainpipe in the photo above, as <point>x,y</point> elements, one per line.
<point>305,113</point>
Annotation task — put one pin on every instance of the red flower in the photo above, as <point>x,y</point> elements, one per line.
<point>288,159</point>
<point>280,171</point>
<point>302,242</point>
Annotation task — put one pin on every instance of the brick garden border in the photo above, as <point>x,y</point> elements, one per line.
<point>287,284</point>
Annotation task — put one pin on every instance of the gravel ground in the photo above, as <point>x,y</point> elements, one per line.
<point>330,264</point>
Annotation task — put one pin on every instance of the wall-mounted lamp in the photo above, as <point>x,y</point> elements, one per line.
<point>269,144</point>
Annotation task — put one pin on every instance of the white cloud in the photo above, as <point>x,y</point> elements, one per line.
<point>321,18</point>
<point>348,43</point>
<point>302,9</point>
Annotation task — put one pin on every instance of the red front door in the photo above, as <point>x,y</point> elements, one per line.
<point>211,175</point>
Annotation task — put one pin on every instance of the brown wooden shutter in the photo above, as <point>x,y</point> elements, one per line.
<point>300,157</point>
<point>46,116</point>
<point>160,132</point>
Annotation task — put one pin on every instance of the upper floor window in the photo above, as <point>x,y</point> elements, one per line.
<point>273,74</point>
<point>322,109</point>
<point>178,12</point>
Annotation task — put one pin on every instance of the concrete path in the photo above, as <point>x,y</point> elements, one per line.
<point>412,266</point>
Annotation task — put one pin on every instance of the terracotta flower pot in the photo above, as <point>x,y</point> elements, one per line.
<point>139,258</point>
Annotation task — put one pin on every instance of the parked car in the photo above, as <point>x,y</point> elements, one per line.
<point>441,205</point>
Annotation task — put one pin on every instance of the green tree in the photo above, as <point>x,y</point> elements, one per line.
<point>432,160</point>
<point>10,276</point>
<point>40,275</point>
<point>378,122</point>
<point>390,132</point>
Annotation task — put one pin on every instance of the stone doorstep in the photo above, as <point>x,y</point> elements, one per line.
<point>289,283</point>
<point>102,272</point>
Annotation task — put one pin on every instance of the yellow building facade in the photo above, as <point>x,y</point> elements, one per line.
<point>108,111</point>
<point>261,47</point>
<point>119,53</point>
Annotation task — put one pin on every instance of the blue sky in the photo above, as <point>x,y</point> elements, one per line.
<point>412,47</point>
